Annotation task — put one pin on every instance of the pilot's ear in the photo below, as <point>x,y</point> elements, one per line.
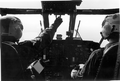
<point>11,28</point>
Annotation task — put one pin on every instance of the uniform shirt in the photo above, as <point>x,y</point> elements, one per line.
<point>101,63</point>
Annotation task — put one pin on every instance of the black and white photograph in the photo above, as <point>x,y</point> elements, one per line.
<point>59,40</point>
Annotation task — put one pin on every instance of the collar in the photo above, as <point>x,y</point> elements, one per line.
<point>109,46</point>
<point>8,38</point>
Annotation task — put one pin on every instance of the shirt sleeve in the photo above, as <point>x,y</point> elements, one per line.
<point>30,50</point>
<point>42,40</point>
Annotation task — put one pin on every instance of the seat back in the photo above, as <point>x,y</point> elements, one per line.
<point>10,63</point>
<point>107,64</point>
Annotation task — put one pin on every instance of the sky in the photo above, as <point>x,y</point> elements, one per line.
<point>86,4</point>
<point>90,25</point>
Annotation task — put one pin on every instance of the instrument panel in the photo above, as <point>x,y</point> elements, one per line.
<point>69,51</point>
<point>62,56</point>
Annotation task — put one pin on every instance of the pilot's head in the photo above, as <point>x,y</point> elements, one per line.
<point>11,26</point>
<point>111,27</point>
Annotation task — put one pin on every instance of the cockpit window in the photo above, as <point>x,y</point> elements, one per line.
<point>89,27</point>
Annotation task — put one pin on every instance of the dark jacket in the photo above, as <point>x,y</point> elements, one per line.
<point>99,66</point>
<point>17,56</point>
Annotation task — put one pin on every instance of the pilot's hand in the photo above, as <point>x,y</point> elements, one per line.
<point>74,74</point>
<point>57,22</point>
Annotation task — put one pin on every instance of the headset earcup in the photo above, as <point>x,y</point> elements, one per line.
<point>106,30</point>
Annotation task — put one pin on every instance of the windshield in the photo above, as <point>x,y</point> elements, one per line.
<point>89,28</point>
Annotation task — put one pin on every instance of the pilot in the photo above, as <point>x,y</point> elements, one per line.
<point>102,62</point>
<point>11,32</point>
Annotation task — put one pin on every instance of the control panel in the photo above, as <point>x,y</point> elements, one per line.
<point>61,56</point>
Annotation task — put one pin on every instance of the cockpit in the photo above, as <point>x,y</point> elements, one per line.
<point>76,38</point>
